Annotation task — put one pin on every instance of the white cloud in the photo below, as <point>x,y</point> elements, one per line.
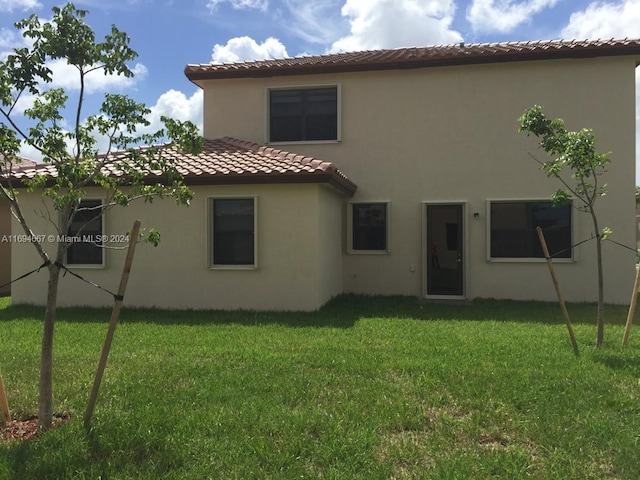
<point>25,101</point>
<point>66,76</point>
<point>11,5</point>
<point>397,23</point>
<point>503,15</point>
<point>27,151</point>
<point>241,49</point>
<point>176,104</point>
<point>172,103</point>
<point>239,4</point>
<point>8,39</point>
<point>316,22</point>
<point>605,20</point>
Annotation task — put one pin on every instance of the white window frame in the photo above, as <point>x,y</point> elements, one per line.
<point>103,264</point>
<point>210,233</point>
<point>350,232</point>
<point>267,132</point>
<point>574,230</point>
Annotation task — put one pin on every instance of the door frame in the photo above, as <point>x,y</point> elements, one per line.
<point>426,264</point>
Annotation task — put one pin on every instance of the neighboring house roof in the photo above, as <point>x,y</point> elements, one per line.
<point>24,163</point>
<point>416,57</point>
<point>231,161</point>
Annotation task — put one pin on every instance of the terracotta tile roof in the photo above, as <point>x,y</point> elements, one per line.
<point>231,161</point>
<point>24,163</point>
<point>416,57</point>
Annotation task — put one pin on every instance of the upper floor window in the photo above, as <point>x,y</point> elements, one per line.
<point>513,229</point>
<point>303,114</point>
<point>86,231</point>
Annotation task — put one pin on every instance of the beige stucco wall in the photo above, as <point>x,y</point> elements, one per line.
<point>5,246</point>
<point>449,134</point>
<point>299,259</point>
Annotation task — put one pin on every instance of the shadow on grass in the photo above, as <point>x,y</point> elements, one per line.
<point>103,453</point>
<point>616,358</point>
<point>341,312</point>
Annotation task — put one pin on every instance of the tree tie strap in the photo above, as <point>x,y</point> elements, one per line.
<point>93,284</point>
<point>35,270</point>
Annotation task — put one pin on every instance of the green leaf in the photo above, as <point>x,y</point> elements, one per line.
<point>560,198</point>
<point>152,237</point>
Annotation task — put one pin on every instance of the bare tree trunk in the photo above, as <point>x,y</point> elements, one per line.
<point>45,404</point>
<point>600,334</point>
<point>600,324</point>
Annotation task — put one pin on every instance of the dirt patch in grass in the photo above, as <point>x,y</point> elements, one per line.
<point>20,430</point>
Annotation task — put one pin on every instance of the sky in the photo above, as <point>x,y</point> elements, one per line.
<point>169,34</point>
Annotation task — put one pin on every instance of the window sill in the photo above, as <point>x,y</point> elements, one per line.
<point>86,266</point>
<point>530,260</point>
<point>368,252</point>
<point>233,267</point>
<point>304,142</point>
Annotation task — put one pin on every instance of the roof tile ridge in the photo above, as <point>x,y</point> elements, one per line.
<point>265,150</point>
<point>246,144</point>
<point>298,159</point>
<point>280,154</point>
<point>312,162</point>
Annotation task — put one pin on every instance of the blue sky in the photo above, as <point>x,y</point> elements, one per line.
<point>168,34</point>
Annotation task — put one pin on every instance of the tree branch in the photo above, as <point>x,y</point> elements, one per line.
<point>78,113</point>
<point>562,180</point>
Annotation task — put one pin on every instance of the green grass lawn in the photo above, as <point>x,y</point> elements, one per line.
<point>366,388</point>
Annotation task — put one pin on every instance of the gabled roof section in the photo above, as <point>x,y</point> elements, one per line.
<point>231,161</point>
<point>416,57</point>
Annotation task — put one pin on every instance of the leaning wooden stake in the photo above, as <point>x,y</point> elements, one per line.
<point>133,240</point>
<point>4,404</point>
<point>632,308</point>
<point>563,307</point>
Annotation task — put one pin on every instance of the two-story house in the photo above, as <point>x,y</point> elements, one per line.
<point>394,172</point>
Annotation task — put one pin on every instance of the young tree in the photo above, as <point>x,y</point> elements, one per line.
<point>72,153</point>
<point>575,152</point>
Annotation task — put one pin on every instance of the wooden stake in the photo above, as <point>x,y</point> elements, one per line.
<point>4,404</point>
<point>115,314</point>
<point>563,307</point>
<point>632,308</point>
